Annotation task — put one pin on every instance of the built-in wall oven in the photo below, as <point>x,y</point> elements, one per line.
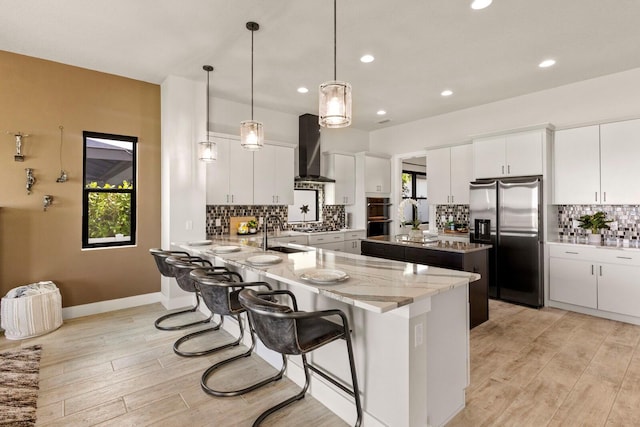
<point>378,216</point>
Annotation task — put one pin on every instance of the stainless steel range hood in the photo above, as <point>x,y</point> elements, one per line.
<point>309,150</point>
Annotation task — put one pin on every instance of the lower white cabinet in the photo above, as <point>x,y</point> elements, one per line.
<point>601,279</point>
<point>299,240</point>
<point>352,241</point>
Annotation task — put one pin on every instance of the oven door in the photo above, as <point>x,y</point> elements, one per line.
<point>378,227</point>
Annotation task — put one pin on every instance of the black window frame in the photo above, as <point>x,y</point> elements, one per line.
<point>414,188</point>
<point>86,191</point>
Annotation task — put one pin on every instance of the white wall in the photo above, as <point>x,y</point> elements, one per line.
<point>608,98</point>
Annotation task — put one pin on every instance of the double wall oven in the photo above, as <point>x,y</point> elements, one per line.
<point>378,216</point>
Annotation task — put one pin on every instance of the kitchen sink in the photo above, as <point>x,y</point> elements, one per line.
<point>286,250</point>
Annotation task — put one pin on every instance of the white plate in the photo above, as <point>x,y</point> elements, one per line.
<point>324,276</point>
<point>199,243</point>
<point>264,259</point>
<point>225,249</point>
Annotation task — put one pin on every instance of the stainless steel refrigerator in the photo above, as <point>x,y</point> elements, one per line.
<point>507,213</point>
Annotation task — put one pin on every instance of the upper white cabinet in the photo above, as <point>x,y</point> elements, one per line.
<point>273,175</point>
<point>596,164</point>
<point>377,174</point>
<point>516,154</point>
<point>449,171</point>
<point>576,166</point>
<point>342,168</point>
<point>230,177</point>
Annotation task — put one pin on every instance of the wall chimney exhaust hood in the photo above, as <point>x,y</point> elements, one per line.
<point>309,150</point>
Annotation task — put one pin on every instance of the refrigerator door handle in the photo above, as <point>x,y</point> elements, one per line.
<point>510,234</point>
<point>482,184</point>
<point>516,184</point>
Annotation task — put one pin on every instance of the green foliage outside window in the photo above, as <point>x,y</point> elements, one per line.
<point>406,185</point>
<point>109,213</point>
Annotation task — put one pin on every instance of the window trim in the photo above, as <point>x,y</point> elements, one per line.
<point>414,189</point>
<point>86,191</point>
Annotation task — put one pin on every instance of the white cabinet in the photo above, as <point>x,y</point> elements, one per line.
<point>377,174</point>
<point>342,168</point>
<point>332,241</point>
<point>576,166</point>
<point>230,177</point>
<point>619,154</point>
<point>596,164</point>
<point>273,175</point>
<point>352,241</point>
<point>299,240</point>
<point>601,279</point>
<point>516,154</point>
<point>449,171</point>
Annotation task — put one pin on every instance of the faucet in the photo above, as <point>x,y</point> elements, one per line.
<point>264,230</point>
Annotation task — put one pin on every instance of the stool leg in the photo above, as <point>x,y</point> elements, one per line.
<point>182,340</point>
<point>231,393</point>
<point>187,325</point>
<point>354,379</point>
<point>290,400</point>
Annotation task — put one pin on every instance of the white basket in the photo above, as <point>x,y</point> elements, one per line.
<point>30,316</point>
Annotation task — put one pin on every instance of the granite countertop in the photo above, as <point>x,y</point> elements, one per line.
<point>612,246</point>
<point>459,247</point>
<point>374,284</point>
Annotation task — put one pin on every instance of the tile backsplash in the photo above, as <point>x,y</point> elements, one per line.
<point>626,219</point>
<point>332,216</point>
<point>460,214</point>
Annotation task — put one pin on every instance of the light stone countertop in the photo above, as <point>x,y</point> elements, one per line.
<point>604,246</point>
<point>374,284</point>
<point>458,247</point>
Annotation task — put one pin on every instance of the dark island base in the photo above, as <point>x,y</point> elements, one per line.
<point>475,262</point>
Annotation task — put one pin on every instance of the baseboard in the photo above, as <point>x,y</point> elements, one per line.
<point>110,305</point>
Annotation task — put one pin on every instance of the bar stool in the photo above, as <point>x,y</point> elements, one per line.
<point>292,332</point>
<point>160,256</point>
<point>220,294</point>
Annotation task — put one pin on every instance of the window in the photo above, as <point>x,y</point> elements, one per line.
<point>302,198</point>
<point>109,192</point>
<point>414,186</point>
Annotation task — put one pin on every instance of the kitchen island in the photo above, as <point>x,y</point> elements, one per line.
<point>409,323</point>
<point>472,257</point>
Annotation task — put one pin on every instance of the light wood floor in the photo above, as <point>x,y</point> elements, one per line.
<point>550,367</point>
<point>528,368</point>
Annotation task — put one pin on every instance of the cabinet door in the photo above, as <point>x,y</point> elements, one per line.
<point>377,175</point>
<point>284,175</point>
<point>263,176</point>
<point>489,157</point>
<point>576,166</point>
<point>218,175</point>
<point>240,174</point>
<point>619,289</point>
<point>524,153</point>
<point>352,246</point>
<point>345,175</point>
<point>439,176</point>
<point>461,173</point>
<point>619,154</point>
<point>573,281</point>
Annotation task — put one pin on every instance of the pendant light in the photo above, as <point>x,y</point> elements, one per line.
<point>207,151</point>
<point>335,95</point>
<point>251,132</point>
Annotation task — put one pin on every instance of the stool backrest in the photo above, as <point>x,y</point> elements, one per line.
<point>272,323</point>
<point>160,256</point>
<point>182,266</point>
<point>217,291</point>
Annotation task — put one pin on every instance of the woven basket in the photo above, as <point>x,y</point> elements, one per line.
<point>30,316</point>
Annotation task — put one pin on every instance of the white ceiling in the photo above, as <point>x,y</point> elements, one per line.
<point>421,47</point>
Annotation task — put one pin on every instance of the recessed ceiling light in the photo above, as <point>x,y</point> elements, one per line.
<point>480,4</point>
<point>303,90</point>
<point>381,112</point>
<point>446,92</point>
<point>366,58</point>
<point>547,63</point>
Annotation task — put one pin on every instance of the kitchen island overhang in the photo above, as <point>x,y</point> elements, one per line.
<point>409,324</point>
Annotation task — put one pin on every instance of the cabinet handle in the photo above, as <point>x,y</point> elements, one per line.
<point>624,257</point>
<point>502,169</point>
<point>227,198</point>
<point>596,196</point>
<point>604,197</point>
<point>277,199</point>
<point>508,169</point>
<point>452,198</point>
<point>573,253</point>
<point>232,198</point>
<point>592,269</point>
<point>600,271</point>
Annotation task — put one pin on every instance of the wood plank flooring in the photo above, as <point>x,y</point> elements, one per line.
<point>529,367</point>
<point>551,367</point>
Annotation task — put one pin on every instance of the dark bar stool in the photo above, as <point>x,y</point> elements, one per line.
<point>160,256</point>
<point>292,332</point>
<point>220,294</point>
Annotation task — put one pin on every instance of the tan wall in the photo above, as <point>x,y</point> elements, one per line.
<point>36,97</point>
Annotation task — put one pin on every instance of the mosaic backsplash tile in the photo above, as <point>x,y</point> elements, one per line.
<point>332,216</point>
<point>626,218</point>
<point>460,214</point>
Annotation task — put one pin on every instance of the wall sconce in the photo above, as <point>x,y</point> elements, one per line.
<point>18,157</point>
<point>47,201</point>
<point>30,179</point>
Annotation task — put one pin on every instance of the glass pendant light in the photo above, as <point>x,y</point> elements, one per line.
<point>251,132</point>
<point>335,95</point>
<point>207,151</point>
